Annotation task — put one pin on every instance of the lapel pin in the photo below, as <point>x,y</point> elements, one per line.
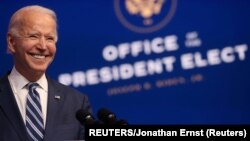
<point>57,97</point>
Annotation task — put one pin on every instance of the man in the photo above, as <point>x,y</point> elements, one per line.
<point>44,109</point>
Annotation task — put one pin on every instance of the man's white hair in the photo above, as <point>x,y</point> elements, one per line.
<point>16,19</point>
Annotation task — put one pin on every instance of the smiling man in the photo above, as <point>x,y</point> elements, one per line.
<point>33,106</point>
<point>32,40</point>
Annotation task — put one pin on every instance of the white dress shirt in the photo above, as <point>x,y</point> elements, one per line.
<point>18,84</point>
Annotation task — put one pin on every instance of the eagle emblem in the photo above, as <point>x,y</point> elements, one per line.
<point>144,8</point>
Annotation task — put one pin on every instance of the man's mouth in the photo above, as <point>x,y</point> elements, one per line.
<point>38,56</point>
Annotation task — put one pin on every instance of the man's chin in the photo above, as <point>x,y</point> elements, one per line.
<point>39,70</point>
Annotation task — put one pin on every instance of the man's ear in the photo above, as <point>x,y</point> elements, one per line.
<point>10,43</point>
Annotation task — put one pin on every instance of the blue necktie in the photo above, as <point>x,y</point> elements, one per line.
<point>34,120</point>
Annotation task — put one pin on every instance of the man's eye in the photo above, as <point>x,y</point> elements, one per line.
<point>33,37</point>
<point>50,39</point>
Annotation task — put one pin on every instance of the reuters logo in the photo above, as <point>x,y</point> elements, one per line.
<point>145,16</point>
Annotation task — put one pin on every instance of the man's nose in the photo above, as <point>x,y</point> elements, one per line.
<point>42,43</point>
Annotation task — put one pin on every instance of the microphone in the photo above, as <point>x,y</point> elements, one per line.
<point>106,116</point>
<point>85,117</point>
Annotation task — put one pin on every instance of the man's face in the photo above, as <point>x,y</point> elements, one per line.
<point>35,47</point>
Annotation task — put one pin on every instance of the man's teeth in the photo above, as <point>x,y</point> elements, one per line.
<point>39,56</point>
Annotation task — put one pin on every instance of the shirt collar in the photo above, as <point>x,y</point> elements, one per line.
<point>18,81</point>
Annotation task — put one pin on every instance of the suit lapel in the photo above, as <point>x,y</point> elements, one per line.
<point>9,107</point>
<point>55,101</point>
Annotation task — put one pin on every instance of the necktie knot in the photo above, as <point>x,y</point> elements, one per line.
<point>32,86</point>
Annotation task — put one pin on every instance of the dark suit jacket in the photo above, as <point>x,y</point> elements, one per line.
<point>61,123</point>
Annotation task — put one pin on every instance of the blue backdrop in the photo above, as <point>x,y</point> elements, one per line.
<point>171,62</point>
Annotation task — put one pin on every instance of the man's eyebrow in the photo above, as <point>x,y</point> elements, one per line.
<point>33,32</point>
